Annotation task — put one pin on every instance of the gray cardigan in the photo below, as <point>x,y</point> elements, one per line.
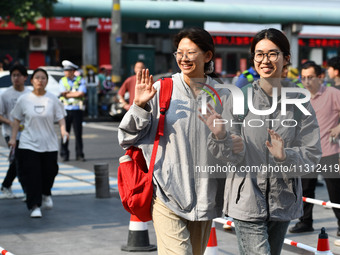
<point>265,195</point>
<point>180,180</point>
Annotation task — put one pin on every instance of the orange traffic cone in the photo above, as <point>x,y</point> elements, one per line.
<point>138,239</point>
<point>212,243</point>
<point>323,244</point>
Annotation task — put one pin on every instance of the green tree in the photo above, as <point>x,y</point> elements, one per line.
<point>23,12</point>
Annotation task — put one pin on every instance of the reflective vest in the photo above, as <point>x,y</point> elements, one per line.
<point>248,75</point>
<point>75,87</point>
<point>298,83</point>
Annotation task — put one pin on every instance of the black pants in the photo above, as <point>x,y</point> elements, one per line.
<point>13,169</point>
<point>38,172</point>
<point>332,180</point>
<point>74,118</point>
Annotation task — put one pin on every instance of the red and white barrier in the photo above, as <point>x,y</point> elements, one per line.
<point>320,202</point>
<point>4,252</point>
<point>286,241</point>
<point>225,222</point>
<point>299,245</point>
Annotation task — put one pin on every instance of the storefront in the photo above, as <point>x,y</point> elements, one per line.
<point>233,51</point>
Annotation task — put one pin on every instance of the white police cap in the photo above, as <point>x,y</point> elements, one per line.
<point>68,65</point>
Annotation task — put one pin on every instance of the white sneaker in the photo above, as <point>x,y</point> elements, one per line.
<point>7,192</point>
<point>36,213</point>
<point>47,202</point>
<point>337,242</point>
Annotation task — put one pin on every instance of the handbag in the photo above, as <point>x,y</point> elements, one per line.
<point>134,178</point>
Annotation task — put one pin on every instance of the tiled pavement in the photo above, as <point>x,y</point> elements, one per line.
<point>69,181</point>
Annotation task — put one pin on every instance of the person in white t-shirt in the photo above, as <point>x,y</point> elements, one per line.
<point>8,99</point>
<point>38,146</point>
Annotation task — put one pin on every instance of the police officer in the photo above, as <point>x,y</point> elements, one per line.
<point>72,95</point>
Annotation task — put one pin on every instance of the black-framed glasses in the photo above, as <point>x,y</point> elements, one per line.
<point>191,55</point>
<point>271,56</point>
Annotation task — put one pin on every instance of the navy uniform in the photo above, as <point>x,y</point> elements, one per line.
<point>72,94</point>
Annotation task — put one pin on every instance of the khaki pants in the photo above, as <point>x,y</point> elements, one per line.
<point>178,236</point>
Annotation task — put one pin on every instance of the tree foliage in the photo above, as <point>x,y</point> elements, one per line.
<point>23,12</point>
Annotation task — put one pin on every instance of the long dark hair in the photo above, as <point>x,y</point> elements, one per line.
<point>274,35</point>
<point>202,39</point>
<point>41,70</point>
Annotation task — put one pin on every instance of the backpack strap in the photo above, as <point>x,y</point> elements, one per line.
<point>164,103</point>
<point>244,90</point>
<point>297,111</point>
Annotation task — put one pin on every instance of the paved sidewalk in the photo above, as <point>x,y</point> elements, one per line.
<point>81,224</point>
<point>70,180</point>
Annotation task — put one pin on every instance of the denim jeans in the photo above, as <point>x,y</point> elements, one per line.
<point>92,102</point>
<point>260,238</point>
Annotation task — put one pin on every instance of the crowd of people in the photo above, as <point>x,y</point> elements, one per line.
<point>261,203</point>
<point>186,200</point>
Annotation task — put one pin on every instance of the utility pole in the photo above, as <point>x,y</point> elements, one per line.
<point>90,41</point>
<point>292,32</point>
<point>116,42</point>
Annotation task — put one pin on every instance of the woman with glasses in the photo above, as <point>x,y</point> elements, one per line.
<point>264,194</point>
<point>38,146</point>
<point>186,197</point>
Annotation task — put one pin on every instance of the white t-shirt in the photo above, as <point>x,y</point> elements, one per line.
<point>93,82</point>
<point>7,103</point>
<point>39,114</point>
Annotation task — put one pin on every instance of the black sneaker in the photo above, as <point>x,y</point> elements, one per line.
<point>338,232</point>
<point>301,228</point>
<point>80,158</point>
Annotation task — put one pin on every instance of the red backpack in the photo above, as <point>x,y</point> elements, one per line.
<point>134,178</point>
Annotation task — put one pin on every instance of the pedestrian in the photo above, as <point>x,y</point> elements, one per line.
<point>325,102</point>
<point>235,78</point>
<point>246,77</point>
<point>129,86</point>
<point>7,62</point>
<point>92,86</point>
<point>261,201</point>
<point>102,78</point>
<point>72,94</point>
<point>8,99</point>
<point>185,199</point>
<point>333,70</point>
<point>38,147</point>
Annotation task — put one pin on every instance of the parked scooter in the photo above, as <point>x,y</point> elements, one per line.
<point>109,101</point>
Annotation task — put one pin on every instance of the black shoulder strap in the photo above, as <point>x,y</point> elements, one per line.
<point>297,111</point>
<point>244,90</point>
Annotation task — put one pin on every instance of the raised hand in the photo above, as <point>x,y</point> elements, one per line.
<point>276,146</point>
<point>211,119</point>
<point>144,90</point>
<point>237,144</point>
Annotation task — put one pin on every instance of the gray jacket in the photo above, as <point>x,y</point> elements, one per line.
<point>179,177</point>
<point>269,195</point>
